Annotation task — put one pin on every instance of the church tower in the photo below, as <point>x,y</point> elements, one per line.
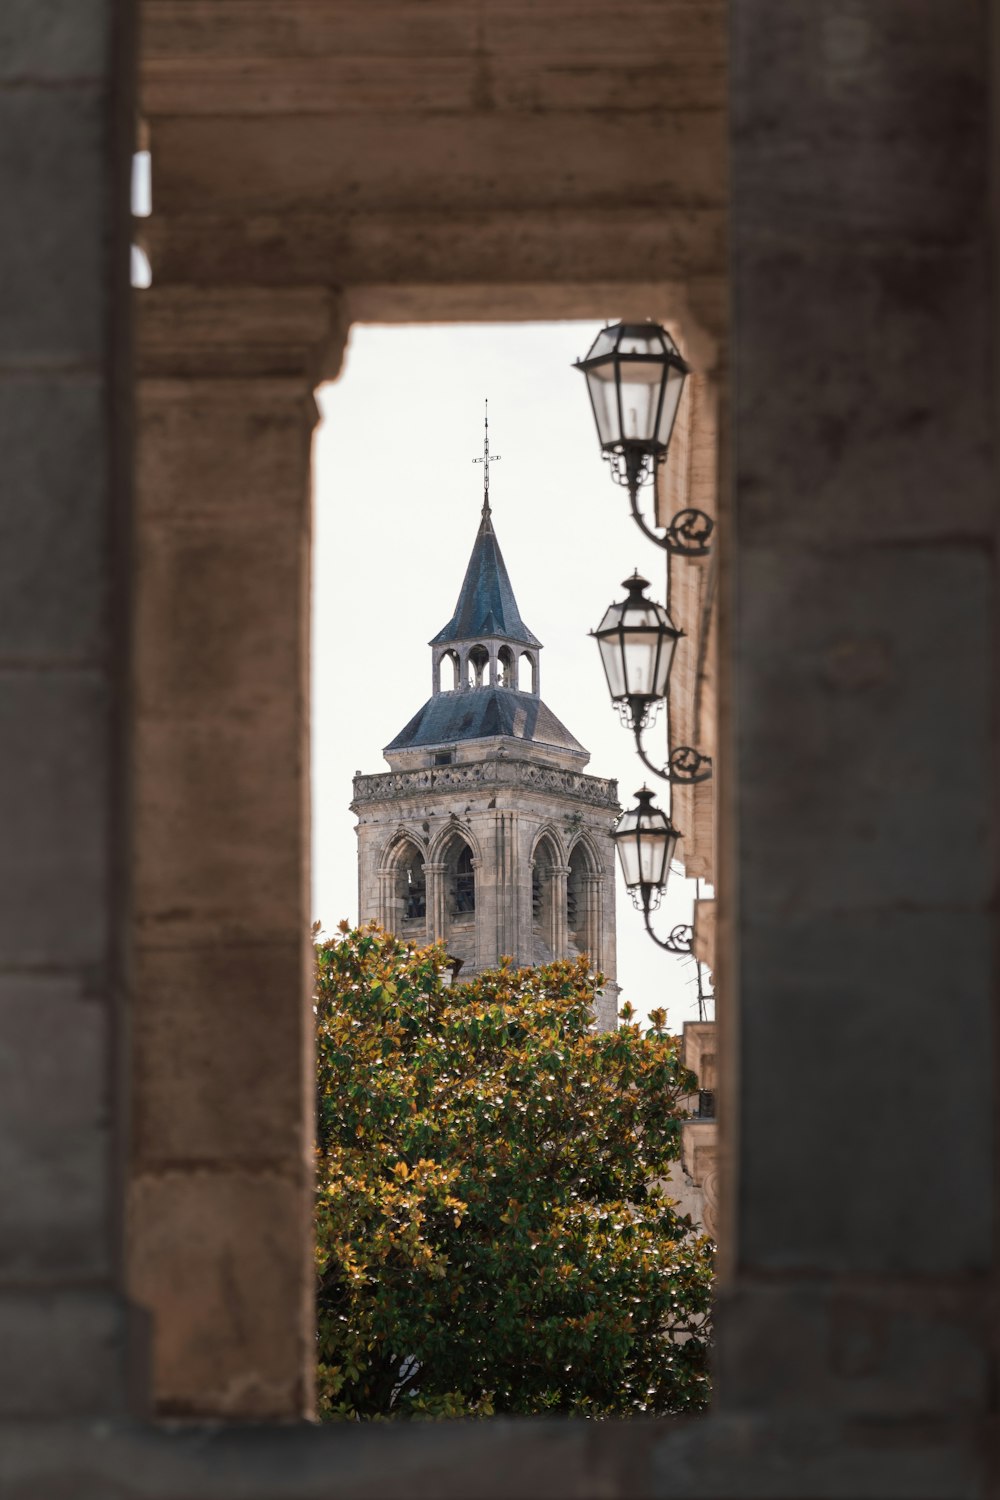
<point>485,833</point>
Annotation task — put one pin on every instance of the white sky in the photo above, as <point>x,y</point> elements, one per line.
<point>397,509</point>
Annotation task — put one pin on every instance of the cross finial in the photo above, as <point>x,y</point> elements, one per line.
<point>487,459</point>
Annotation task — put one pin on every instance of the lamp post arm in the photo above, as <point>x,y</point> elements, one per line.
<point>680,939</point>
<point>688,535</point>
<point>684,767</point>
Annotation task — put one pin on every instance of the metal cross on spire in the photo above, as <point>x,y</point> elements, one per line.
<point>487,459</point>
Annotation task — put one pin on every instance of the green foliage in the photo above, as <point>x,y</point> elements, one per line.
<point>490,1237</point>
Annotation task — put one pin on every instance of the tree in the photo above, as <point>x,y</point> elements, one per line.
<point>490,1235</point>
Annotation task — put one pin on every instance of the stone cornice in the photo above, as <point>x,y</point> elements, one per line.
<point>389,786</point>
<point>240,333</point>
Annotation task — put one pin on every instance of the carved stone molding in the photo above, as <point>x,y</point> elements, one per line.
<point>390,785</point>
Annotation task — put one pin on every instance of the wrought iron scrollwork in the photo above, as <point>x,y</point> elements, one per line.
<point>684,767</point>
<point>680,939</point>
<point>688,535</point>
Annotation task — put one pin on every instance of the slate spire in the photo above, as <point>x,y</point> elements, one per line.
<point>486,605</point>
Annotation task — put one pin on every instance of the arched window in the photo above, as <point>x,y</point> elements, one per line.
<point>527,679</point>
<point>410,885</point>
<point>543,924</point>
<point>465,883</point>
<point>449,673</point>
<point>479,667</point>
<point>505,664</point>
<point>579,916</point>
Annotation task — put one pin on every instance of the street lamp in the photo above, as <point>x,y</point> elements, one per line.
<point>635,375</point>
<point>646,840</point>
<point>637,640</point>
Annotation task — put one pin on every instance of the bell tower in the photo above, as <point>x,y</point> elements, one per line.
<point>486,833</point>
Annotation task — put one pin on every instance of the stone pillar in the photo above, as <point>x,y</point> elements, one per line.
<point>437,897</point>
<point>560,925</point>
<point>65,568</point>
<point>220,1209</point>
<point>861,624</point>
<point>593,926</point>
<point>386,899</point>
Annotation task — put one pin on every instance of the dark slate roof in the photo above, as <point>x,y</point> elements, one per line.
<point>486,605</point>
<point>482,713</point>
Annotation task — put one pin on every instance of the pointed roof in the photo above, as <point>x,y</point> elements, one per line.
<point>485,713</point>
<point>486,605</point>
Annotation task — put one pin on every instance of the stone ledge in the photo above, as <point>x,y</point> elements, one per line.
<point>719,1457</point>
<point>388,786</point>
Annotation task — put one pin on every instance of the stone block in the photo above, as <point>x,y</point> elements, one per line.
<point>53,41</point>
<point>220,831</point>
<point>222,1042</point>
<point>865,1074</point>
<point>854,1350</point>
<point>53,260</point>
<point>222,1261</point>
<point>239,587</point>
<point>864,761</point>
<point>54,816</point>
<point>851,121</point>
<point>55,1148</point>
<point>312,164</point>
<point>226,449</point>
<point>62,1354</point>
<point>52,599</point>
<point>859,429</point>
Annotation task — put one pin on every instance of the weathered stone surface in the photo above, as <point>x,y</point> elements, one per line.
<point>55,1138</point>
<point>868,1016</point>
<point>52,296</point>
<point>864,676</point>
<point>221,1258</point>
<point>860,1349</point>
<point>61,1356</point>
<point>51,565</point>
<point>873,463</point>
<point>206,872</point>
<point>49,41</point>
<point>54,856</point>
<point>852,122</point>
<point>225,1079</point>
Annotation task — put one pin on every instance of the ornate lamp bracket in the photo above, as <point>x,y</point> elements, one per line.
<point>685,766</point>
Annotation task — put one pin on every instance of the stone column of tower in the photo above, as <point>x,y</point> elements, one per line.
<point>486,832</point>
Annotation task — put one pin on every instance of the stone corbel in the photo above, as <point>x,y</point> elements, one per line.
<point>284,334</point>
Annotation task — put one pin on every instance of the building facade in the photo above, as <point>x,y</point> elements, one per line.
<point>485,833</point>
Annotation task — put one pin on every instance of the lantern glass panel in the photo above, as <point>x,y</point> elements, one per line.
<point>644,652</point>
<point>640,395</point>
<point>628,850</point>
<point>671,401</point>
<point>655,849</point>
<point>604,399</point>
<point>628,854</point>
<point>612,659</point>
<point>643,340</point>
<point>604,343</point>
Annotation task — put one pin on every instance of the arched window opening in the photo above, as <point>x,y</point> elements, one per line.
<point>465,883</point>
<point>543,902</point>
<point>505,663</point>
<point>479,667</point>
<point>526,673</point>
<point>411,885</point>
<point>578,917</point>
<point>449,672</point>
